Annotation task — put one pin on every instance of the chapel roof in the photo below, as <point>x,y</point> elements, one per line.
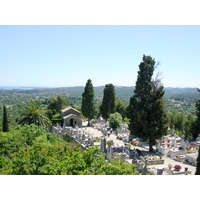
<point>71,116</point>
<point>69,108</point>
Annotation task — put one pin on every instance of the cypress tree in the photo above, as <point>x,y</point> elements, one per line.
<point>198,164</point>
<point>108,104</point>
<point>87,106</point>
<point>146,111</point>
<point>196,126</point>
<point>196,131</point>
<point>5,120</point>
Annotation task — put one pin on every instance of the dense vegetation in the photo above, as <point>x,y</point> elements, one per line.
<point>87,105</point>
<point>146,111</point>
<point>180,100</point>
<point>31,151</point>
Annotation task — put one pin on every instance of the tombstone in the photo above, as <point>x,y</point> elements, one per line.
<point>122,149</point>
<point>108,153</point>
<point>183,144</point>
<point>92,141</point>
<point>100,119</point>
<point>103,145</point>
<point>183,138</point>
<point>168,131</point>
<point>135,160</point>
<point>83,137</point>
<point>111,152</point>
<point>144,170</point>
<point>139,166</point>
<point>198,139</point>
<point>130,154</point>
<point>173,130</point>
<point>174,142</point>
<point>89,141</point>
<point>159,171</point>
<point>123,156</point>
<point>79,136</point>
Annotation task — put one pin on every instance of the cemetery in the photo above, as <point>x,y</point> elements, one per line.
<point>173,155</point>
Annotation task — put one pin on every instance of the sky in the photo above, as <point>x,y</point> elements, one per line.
<point>69,55</point>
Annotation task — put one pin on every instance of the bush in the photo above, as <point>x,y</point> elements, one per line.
<point>57,120</point>
<point>115,120</point>
<point>65,159</point>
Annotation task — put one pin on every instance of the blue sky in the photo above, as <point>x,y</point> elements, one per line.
<point>60,56</point>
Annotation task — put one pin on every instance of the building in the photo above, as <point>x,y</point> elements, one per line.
<point>71,117</point>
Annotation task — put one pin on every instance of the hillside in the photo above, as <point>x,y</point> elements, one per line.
<point>121,91</point>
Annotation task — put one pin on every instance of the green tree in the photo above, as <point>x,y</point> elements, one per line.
<point>120,107</point>
<point>189,126</point>
<point>196,125</point>
<point>87,106</point>
<point>56,104</point>
<point>23,137</point>
<point>146,108</point>
<point>177,120</point>
<point>64,159</point>
<point>33,114</point>
<point>108,104</point>
<point>5,120</point>
<point>198,164</point>
<point>115,120</point>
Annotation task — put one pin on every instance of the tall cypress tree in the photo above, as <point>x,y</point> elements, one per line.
<point>196,131</point>
<point>87,106</point>
<point>146,108</point>
<point>198,164</point>
<point>5,120</point>
<point>196,126</point>
<point>108,104</point>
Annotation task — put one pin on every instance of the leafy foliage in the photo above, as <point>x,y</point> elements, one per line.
<point>33,115</point>
<point>115,120</point>
<point>146,108</point>
<point>11,142</point>
<point>57,103</point>
<point>64,160</point>
<point>196,126</point>
<point>87,106</point>
<point>108,104</point>
<point>32,151</point>
<point>198,164</point>
<point>5,120</point>
<point>120,107</point>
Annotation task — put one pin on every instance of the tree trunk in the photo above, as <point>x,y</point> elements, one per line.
<point>88,122</point>
<point>150,145</point>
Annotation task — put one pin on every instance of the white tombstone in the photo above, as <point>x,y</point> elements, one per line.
<point>198,139</point>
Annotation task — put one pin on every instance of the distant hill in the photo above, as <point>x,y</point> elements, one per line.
<point>121,91</point>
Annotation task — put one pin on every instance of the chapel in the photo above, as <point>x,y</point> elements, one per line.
<point>71,117</point>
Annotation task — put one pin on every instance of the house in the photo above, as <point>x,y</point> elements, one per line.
<point>71,117</point>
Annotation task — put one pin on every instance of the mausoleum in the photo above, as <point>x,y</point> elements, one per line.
<point>71,117</point>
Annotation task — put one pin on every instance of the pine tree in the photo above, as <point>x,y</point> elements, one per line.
<point>5,120</point>
<point>146,111</point>
<point>87,106</point>
<point>108,104</point>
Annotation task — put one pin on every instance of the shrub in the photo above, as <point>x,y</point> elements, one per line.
<point>115,120</point>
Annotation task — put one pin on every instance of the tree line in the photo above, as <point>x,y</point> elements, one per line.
<point>145,113</point>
